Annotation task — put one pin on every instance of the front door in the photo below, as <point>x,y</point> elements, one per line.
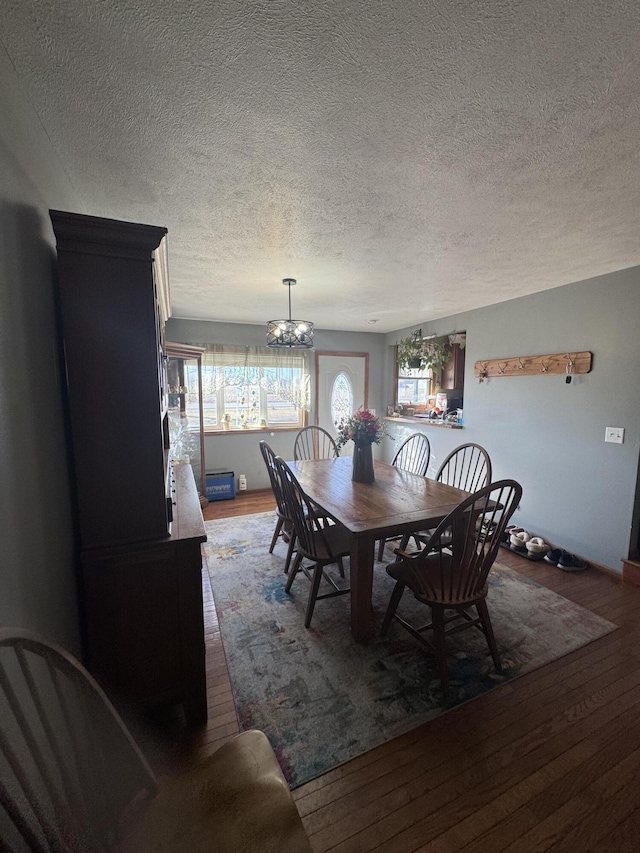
<point>342,380</point>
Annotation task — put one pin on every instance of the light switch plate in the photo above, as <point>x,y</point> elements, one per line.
<point>614,434</point>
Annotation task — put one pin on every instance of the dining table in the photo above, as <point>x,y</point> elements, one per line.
<point>396,502</point>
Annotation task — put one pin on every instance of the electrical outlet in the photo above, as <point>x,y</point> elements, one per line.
<point>614,434</point>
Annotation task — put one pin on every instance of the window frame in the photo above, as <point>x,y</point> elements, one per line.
<point>413,373</point>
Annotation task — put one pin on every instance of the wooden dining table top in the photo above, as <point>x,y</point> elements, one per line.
<point>395,502</point>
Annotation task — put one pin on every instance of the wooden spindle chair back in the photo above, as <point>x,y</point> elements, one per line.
<point>314,442</point>
<point>308,523</point>
<point>450,574</point>
<point>467,467</point>
<point>284,525</point>
<point>413,454</point>
<point>70,770</point>
<point>470,537</point>
<point>269,456</point>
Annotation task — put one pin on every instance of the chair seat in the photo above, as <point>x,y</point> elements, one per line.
<point>237,801</point>
<point>336,537</point>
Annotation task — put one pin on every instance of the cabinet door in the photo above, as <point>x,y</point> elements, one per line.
<point>186,417</point>
<point>133,621</point>
<point>453,369</point>
<point>144,624</point>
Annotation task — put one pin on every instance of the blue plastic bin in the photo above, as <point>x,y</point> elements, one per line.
<point>221,486</point>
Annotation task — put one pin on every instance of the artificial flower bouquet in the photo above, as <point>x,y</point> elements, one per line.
<point>363,426</point>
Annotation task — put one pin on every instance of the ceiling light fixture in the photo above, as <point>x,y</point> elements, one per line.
<point>290,334</point>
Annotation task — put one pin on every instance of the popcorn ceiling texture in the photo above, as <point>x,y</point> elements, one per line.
<point>403,160</point>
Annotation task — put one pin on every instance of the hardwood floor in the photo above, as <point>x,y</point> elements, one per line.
<point>550,761</point>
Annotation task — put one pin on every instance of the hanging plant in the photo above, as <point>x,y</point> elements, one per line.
<point>418,354</point>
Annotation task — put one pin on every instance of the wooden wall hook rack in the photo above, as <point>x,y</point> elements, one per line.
<point>565,363</point>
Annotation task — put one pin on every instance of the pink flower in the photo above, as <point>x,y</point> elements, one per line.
<point>362,426</point>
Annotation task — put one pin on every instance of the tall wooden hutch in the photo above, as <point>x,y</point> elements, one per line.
<point>139,522</point>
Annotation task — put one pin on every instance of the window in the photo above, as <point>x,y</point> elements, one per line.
<point>341,399</point>
<point>413,386</point>
<point>253,387</point>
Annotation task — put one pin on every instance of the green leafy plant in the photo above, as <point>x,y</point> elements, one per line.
<point>415,352</point>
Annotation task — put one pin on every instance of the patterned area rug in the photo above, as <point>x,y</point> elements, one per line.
<point>322,698</point>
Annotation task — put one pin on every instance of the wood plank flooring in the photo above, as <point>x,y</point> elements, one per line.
<point>550,761</point>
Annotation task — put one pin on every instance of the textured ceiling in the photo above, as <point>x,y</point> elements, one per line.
<point>403,160</point>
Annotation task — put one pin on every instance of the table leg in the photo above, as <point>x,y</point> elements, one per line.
<point>361,572</point>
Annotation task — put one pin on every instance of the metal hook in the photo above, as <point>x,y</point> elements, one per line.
<point>502,367</point>
<point>520,364</point>
<point>569,369</point>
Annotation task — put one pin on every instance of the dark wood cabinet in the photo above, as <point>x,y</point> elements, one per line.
<point>453,369</point>
<point>143,606</point>
<point>139,522</point>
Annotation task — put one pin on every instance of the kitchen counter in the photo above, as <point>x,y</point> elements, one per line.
<point>402,419</point>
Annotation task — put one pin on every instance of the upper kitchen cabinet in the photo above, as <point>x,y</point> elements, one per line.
<point>453,369</point>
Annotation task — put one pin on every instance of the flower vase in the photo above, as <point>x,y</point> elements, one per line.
<point>362,462</point>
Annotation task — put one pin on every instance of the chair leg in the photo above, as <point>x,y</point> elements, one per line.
<point>293,572</point>
<point>394,601</point>
<point>381,545</point>
<point>276,533</point>
<point>439,643</point>
<point>483,613</point>
<point>313,594</point>
<point>291,549</point>
<point>341,567</point>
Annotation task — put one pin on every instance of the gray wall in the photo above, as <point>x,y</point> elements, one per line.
<point>37,580</point>
<point>239,452</point>
<point>578,491</point>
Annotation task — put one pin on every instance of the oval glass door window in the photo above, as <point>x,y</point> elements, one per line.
<point>341,398</point>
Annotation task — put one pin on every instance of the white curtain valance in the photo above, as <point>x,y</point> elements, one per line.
<point>285,374</point>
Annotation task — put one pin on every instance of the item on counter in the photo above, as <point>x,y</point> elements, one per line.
<point>441,401</point>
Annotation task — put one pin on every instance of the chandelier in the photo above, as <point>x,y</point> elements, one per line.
<point>290,333</point>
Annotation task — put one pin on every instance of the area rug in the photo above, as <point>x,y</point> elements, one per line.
<point>322,698</point>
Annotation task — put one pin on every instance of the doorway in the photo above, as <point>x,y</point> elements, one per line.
<point>342,380</point>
